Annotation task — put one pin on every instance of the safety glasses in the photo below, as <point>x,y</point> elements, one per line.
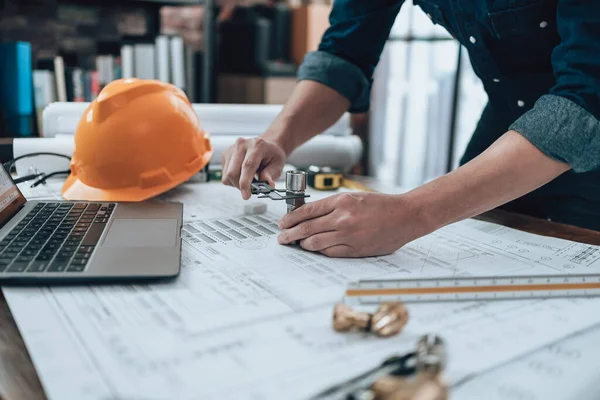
<point>33,173</point>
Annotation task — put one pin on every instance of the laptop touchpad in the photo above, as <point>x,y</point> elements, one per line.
<point>142,233</point>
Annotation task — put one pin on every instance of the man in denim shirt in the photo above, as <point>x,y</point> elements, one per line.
<point>536,149</point>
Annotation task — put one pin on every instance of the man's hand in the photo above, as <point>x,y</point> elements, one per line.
<point>371,224</point>
<point>354,224</point>
<point>310,110</point>
<point>249,157</point>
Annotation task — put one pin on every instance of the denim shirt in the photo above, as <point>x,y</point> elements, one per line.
<point>539,61</point>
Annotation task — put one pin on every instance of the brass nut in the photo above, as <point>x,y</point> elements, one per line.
<point>388,320</point>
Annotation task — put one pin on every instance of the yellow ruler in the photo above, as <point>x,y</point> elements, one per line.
<point>350,184</point>
<point>373,291</point>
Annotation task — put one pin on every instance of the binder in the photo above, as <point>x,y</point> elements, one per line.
<point>127,61</point>
<point>177,55</point>
<point>16,88</point>
<point>61,85</point>
<point>144,60</point>
<point>162,58</point>
<point>45,94</point>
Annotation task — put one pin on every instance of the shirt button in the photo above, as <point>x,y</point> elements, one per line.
<point>521,103</point>
<point>496,80</point>
<point>472,39</point>
<point>543,24</point>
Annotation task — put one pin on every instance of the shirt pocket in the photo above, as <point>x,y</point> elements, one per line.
<point>538,17</point>
<point>433,11</point>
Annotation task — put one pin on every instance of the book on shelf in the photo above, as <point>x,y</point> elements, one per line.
<point>144,62</point>
<point>16,88</point>
<point>28,86</point>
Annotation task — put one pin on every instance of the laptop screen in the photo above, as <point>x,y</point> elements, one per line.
<point>11,199</point>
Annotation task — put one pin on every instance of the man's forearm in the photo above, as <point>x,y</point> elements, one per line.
<point>508,169</point>
<point>310,110</point>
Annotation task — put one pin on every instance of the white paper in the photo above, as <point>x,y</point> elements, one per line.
<point>567,370</point>
<point>251,319</point>
<point>554,253</point>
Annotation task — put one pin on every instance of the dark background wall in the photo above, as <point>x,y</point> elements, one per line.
<point>74,26</point>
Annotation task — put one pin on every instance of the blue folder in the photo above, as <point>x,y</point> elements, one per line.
<point>16,88</point>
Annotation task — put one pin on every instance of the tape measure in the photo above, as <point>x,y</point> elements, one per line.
<point>473,288</point>
<point>324,178</point>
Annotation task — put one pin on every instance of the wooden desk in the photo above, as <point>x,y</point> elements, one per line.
<point>18,379</point>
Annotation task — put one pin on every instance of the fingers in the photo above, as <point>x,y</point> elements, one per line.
<point>306,212</point>
<point>249,167</point>
<point>306,229</point>
<point>266,176</point>
<point>234,169</point>
<point>231,175</point>
<point>339,251</point>
<point>224,163</point>
<point>270,173</point>
<point>247,158</point>
<point>321,241</point>
<point>243,163</point>
<point>318,235</point>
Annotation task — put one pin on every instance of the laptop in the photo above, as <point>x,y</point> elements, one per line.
<point>69,241</point>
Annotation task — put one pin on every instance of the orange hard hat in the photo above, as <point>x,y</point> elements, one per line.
<point>138,139</point>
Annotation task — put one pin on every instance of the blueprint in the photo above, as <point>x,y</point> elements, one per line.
<point>567,370</point>
<point>251,319</point>
<point>562,255</point>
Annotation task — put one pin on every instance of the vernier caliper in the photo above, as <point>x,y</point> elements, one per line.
<point>295,187</point>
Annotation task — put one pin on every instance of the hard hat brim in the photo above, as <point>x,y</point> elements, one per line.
<point>74,189</point>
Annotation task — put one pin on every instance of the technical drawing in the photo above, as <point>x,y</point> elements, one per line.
<point>259,329</point>
<point>243,231</point>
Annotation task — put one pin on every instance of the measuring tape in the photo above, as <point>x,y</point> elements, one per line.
<point>324,178</point>
<point>472,288</point>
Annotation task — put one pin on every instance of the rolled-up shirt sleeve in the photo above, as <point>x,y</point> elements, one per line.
<point>565,123</point>
<point>350,48</point>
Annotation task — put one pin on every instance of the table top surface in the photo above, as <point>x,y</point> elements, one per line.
<point>19,380</point>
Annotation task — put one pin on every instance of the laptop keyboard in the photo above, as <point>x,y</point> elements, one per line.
<point>55,237</point>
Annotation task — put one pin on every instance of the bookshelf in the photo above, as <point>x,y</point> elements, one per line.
<point>77,44</point>
<point>208,68</point>
<point>208,77</point>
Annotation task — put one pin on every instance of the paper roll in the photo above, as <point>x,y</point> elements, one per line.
<point>217,119</point>
<point>336,152</point>
<point>322,150</point>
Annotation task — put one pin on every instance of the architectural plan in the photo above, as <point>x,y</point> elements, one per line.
<point>251,319</point>
<point>567,370</point>
<point>562,255</point>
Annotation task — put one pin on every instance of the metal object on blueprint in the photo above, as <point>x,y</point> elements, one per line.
<point>413,376</point>
<point>388,320</point>
<point>294,196</point>
<point>295,190</point>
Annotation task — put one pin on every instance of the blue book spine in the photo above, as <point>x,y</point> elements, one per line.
<point>16,87</point>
